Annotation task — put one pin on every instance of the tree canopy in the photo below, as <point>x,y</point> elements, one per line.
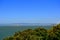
<point>37,34</point>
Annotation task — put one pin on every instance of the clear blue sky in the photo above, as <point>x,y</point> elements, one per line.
<point>29,11</point>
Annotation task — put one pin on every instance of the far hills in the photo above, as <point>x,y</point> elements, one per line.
<point>28,24</point>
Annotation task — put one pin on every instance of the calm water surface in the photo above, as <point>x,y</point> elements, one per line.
<point>10,30</point>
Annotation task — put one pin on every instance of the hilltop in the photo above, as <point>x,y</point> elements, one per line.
<point>37,34</point>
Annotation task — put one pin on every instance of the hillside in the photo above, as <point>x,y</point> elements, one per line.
<point>37,34</point>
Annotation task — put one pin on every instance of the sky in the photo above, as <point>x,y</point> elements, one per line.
<point>29,11</point>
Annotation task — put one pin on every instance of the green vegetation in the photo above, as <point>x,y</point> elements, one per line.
<point>37,34</point>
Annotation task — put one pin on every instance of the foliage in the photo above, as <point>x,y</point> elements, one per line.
<point>37,34</point>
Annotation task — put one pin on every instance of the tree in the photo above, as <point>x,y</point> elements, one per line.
<point>37,34</point>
